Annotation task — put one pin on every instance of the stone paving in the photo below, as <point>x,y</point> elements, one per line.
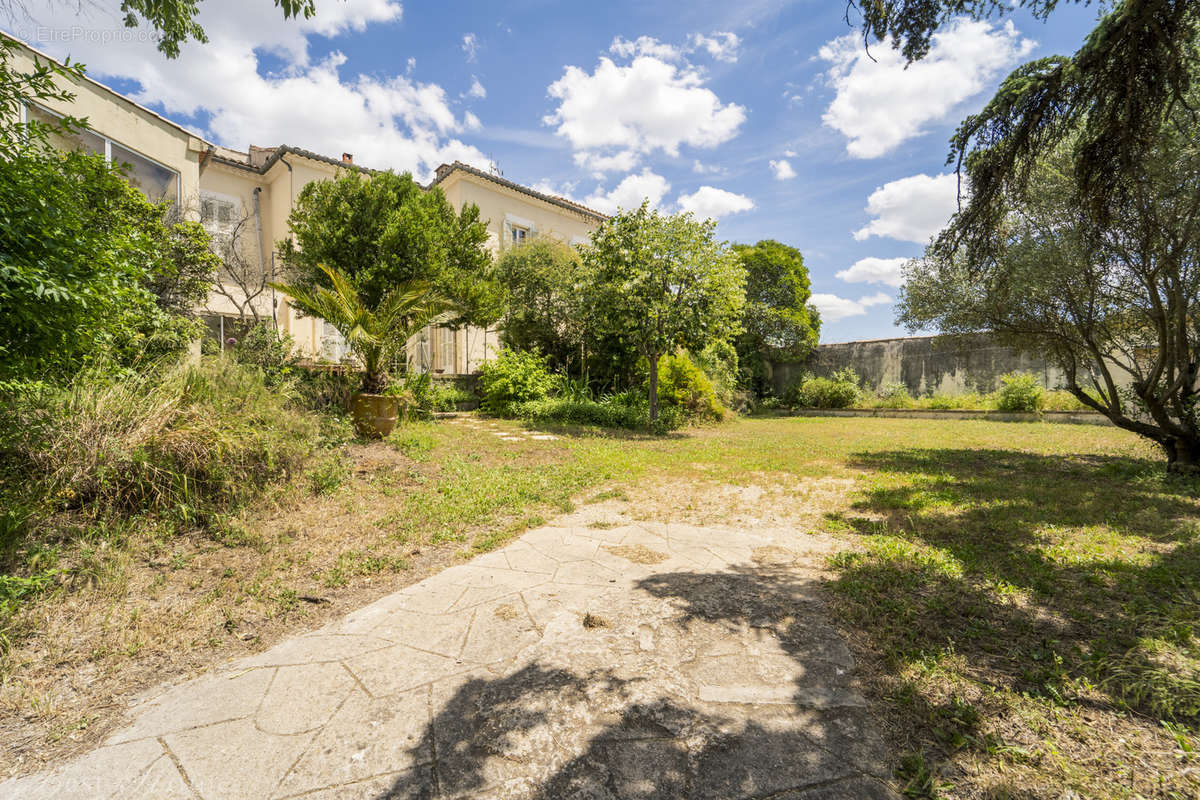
<point>581,661</point>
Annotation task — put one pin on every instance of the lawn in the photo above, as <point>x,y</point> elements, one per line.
<point>1022,598</point>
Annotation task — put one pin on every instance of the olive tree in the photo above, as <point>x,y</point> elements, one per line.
<point>666,282</point>
<point>1113,299</point>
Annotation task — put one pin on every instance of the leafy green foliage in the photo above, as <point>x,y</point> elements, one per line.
<point>665,282</point>
<point>684,386</point>
<point>778,323</point>
<point>544,282</point>
<point>264,346</point>
<point>1019,392</point>
<point>839,391</point>
<point>384,231</point>
<point>513,376</point>
<point>89,269</point>
<point>175,20</point>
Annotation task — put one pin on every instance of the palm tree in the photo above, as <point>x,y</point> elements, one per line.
<point>374,334</point>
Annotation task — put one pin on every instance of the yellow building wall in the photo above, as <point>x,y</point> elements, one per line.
<point>127,124</point>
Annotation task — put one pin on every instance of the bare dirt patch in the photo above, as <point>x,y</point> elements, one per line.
<point>637,553</point>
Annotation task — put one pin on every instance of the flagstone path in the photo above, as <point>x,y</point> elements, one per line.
<point>581,661</point>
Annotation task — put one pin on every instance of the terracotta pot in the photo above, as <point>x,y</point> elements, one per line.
<point>374,415</point>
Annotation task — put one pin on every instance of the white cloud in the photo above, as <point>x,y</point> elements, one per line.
<point>470,46</point>
<point>911,209</point>
<point>471,122</point>
<point>700,168</point>
<point>630,193</point>
<point>709,202</point>
<point>783,170</point>
<point>721,46</point>
<point>622,161</point>
<point>881,102</point>
<point>875,270</point>
<point>638,109</point>
<point>644,46</point>
<point>476,89</point>
<point>835,309</point>
<point>386,121</point>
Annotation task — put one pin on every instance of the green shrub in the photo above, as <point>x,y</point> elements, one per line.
<point>894,395</point>
<point>683,385</point>
<point>514,376</point>
<point>1061,400</point>
<point>184,442</point>
<point>263,346</point>
<point>719,360</point>
<point>839,391</point>
<point>448,398</point>
<point>627,410</point>
<point>1019,392</point>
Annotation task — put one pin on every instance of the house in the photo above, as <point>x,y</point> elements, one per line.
<point>244,198</point>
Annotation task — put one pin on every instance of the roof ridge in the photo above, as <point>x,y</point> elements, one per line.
<point>445,170</point>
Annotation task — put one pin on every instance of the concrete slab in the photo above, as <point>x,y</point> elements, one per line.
<point>647,661</point>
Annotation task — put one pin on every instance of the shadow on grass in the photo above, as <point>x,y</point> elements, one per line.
<point>1072,580</point>
<point>613,733</point>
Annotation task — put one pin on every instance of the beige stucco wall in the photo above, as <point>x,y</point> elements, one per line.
<point>498,204</point>
<point>127,124</point>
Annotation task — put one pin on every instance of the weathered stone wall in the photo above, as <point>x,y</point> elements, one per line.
<point>925,364</point>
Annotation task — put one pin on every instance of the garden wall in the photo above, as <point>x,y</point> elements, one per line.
<point>925,364</point>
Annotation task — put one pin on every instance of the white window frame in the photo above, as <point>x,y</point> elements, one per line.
<point>108,143</point>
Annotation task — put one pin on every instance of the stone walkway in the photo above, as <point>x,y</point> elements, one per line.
<point>581,661</point>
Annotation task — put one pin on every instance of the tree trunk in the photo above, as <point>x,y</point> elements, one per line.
<point>653,391</point>
<point>1183,455</point>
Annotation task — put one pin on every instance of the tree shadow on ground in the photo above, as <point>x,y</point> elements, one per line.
<point>1071,580</point>
<point>549,733</point>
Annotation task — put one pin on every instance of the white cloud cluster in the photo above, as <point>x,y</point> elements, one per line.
<point>882,102</point>
<point>835,309</point>
<point>709,202</point>
<point>385,121</point>
<point>782,169</point>
<point>630,192</point>
<point>617,114</point>
<point>644,46</point>
<point>722,46</point>
<point>889,271</point>
<point>477,91</point>
<point>911,209</point>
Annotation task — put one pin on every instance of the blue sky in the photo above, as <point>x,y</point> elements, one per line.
<point>767,115</point>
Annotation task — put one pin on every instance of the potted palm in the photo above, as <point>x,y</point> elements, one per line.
<point>373,334</point>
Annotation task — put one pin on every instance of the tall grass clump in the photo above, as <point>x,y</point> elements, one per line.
<point>183,442</point>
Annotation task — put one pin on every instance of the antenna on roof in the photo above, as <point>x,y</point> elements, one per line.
<point>494,166</point>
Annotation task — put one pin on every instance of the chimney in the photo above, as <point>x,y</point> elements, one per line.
<point>348,158</point>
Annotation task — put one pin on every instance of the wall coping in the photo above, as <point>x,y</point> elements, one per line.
<point>1059,417</point>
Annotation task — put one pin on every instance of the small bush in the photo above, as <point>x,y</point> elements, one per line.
<point>839,391</point>
<point>1019,392</point>
<point>894,395</point>
<point>263,346</point>
<point>449,398</point>
<point>683,385</point>
<point>1062,400</point>
<point>329,474</point>
<point>514,376</point>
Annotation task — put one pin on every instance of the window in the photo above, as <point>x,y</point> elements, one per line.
<point>153,179</point>
<point>156,181</point>
<point>519,234</point>
<point>225,329</point>
<point>219,216</point>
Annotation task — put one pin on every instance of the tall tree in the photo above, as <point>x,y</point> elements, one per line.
<point>1113,299</point>
<point>665,281</point>
<point>1109,99</point>
<point>384,230</point>
<point>544,282</point>
<point>778,322</point>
